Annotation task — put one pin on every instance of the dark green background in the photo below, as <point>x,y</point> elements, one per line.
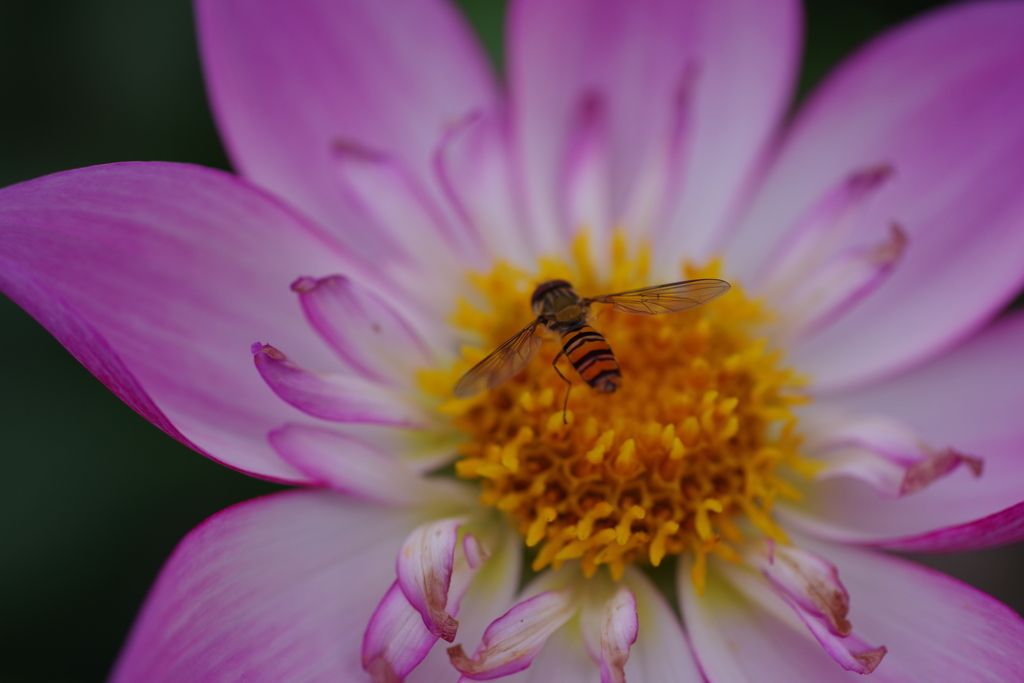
<point>92,497</point>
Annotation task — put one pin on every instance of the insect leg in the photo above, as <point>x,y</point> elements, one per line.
<point>565,404</point>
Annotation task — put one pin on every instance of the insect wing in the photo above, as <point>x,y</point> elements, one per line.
<point>670,298</point>
<point>502,364</point>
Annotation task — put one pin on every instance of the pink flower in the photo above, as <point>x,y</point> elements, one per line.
<point>882,230</point>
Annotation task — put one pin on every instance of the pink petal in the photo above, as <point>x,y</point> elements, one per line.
<point>289,79</point>
<point>936,628</point>
<point>969,400</point>
<point>739,640</point>
<point>586,175</point>
<point>885,453</point>
<point>385,193</point>
<point>424,570</point>
<point>337,397</point>
<point>490,595</point>
<point>157,277</point>
<point>275,589</point>
<point>619,625</point>
<point>473,164</point>
<point>639,56</point>
<point>839,284</point>
<point>397,640</point>
<point>939,101</point>
<point>510,643</point>
<point>364,329</point>
<point>805,578</point>
<point>661,651</point>
<point>357,468</point>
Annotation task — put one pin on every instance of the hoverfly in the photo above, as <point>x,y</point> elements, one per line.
<point>565,313</point>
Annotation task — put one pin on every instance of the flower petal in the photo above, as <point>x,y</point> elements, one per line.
<point>661,652</point>
<point>619,625</point>
<point>424,570</point>
<point>396,639</point>
<point>937,100</point>
<point>737,640</point>
<point>970,401</point>
<point>337,397</point>
<point>365,330</point>
<point>357,468</point>
<point>287,80</point>
<point>279,588</point>
<point>473,164</point>
<point>157,277</point>
<point>639,56</point>
<point>511,642</point>
<point>936,627</point>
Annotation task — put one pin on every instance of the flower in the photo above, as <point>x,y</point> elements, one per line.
<point>385,180</point>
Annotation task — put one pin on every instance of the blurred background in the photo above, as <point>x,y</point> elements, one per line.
<point>92,497</point>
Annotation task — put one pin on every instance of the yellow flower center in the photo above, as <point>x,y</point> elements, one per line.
<point>669,463</point>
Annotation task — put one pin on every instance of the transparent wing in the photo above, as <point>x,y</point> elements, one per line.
<point>502,364</point>
<point>670,298</point>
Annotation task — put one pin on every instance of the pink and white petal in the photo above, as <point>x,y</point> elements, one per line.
<point>336,396</point>
<point>490,595</point>
<point>396,640</point>
<point>360,469</point>
<point>661,651</point>
<point>608,623</point>
<point>938,100</point>
<point>638,56</point>
<point>970,400</point>
<point>158,277</point>
<point>424,569</point>
<point>278,588</point>
<point>619,624</point>
<point>414,233</point>
<point>737,640</point>
<point>365,330</point>
<point>287,80</point>
<point>935,627</point>
<point>512,641</point>
<point>473,164</point>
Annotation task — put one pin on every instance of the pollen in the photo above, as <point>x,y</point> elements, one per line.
<point>688,455</point>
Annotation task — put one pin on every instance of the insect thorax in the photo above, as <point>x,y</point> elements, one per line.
<point>558,304</point>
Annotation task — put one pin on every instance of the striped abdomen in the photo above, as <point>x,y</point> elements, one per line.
<point>592,357</point>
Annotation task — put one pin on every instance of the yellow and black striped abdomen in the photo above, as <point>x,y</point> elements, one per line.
<point>592,357</point>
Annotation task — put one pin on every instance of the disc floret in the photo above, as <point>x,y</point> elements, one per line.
<point>680,459</point>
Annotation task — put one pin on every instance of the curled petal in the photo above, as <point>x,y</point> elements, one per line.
<point>619,626</point>
<point>806,579</point>
<point>364,329</point>
<point>341,398</point>
<point>886,454</point>
<point>511,642</point>
<point>424,570</point>
<point>851,652</point>
<point>396,639</point>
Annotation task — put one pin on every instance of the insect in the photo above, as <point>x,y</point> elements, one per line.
<point>562,311</point>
